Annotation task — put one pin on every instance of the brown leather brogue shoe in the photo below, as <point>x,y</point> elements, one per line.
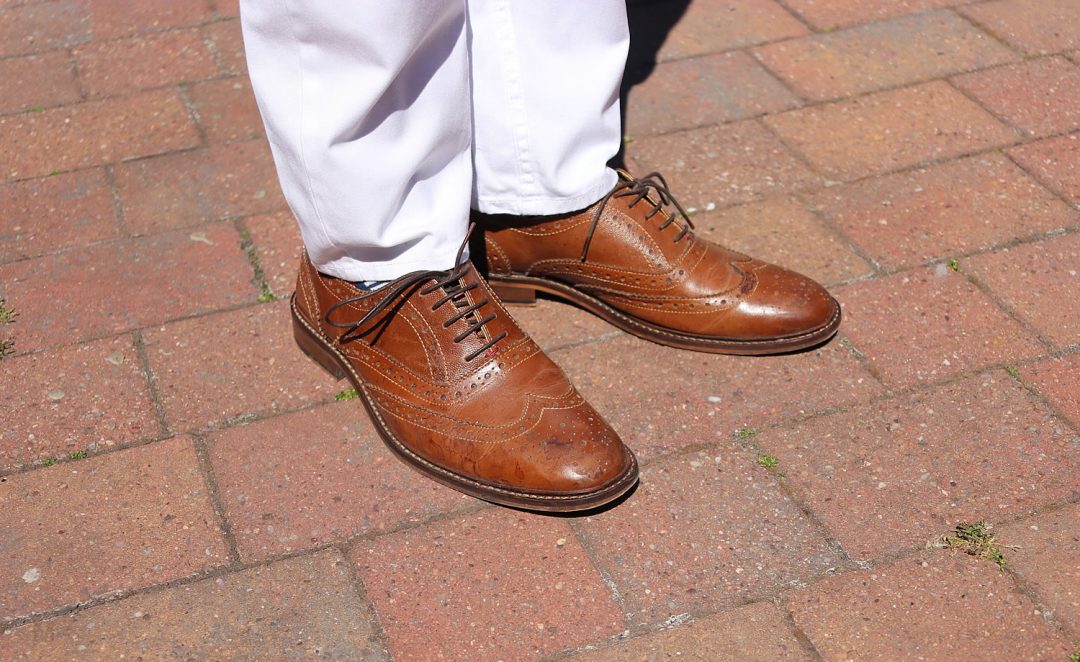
<point>458,391</point>
<point>633,259</point>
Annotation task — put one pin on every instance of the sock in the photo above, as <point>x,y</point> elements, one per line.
<point>370,285</point>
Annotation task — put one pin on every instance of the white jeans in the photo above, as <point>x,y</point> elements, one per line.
<point>388,119</point>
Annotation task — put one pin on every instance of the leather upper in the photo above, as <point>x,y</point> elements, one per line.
<point>506,417</point>
<point>643,261</point>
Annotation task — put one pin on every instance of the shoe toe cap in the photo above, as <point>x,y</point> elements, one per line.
<point>575,451</point>
<point>784,304</point>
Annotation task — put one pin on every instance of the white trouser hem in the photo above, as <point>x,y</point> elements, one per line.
<point>352,270</point>
<point>546,206</point>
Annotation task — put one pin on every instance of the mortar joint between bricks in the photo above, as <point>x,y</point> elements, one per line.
<point>251,251</point>
<point>206,468</point>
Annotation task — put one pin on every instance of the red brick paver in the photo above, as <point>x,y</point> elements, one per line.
<point>225,36</point>
<point>1039,281</point>
<point>216,369</point>
<point>702,91</point>
<point>764,230</point>
<point>754,633</point>
<point>447,592</point>
<point>705,530</point>
<point>94,133</point>
<point>277,243</point>
<point>178,481</point>
<point>298,609</point>
<point>1044,551</point>
<point>33,27</point>
<point>227,7</point>
<point>828,14</point>
<point>1059,381</point>
<point>927,325</point>
<point>85,397</point>
<point>40,216</point>
<point>702,29</point>
<point>881,55</point>
<point>37,82</point>
<point>1041,96</point>
<point>890,130</point>
<point>121,18</point>
<point>936,606</point>
<point>943,211</point>
<point>179,190</point>
<point>700,398</point>
<point>722,165</point>
<point>119,521</point>
<point>893,475</point>
<point>1033,26</point>
<point>317,476</point>
<point>114,67</point>
<point>122,285</point>
<point>226,110</point>
<point>1055,161</point>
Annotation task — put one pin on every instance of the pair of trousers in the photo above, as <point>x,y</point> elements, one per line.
<point>389,119</point>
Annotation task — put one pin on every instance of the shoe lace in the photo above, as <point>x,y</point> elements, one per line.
<point>454,286</point>
<point>639,188</point>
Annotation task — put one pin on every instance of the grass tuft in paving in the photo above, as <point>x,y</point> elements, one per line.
<point>770,462</point>
<point>347,394</point>
<point>7,316</point>
<point>975,538</point>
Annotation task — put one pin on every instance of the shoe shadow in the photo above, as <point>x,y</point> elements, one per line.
<point>650,23</point>
<point>578,514</point>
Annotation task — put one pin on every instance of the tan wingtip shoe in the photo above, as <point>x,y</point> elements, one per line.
<point>459,392</point>
<point>633,260</point>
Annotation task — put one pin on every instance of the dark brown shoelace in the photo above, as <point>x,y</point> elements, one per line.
<point>639,188</point>
<point>451,282</point>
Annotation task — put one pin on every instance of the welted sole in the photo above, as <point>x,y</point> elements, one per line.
<point>319,350</point>
<point>522,290</point>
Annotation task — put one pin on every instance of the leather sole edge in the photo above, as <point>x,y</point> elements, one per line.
<point>512,290</point>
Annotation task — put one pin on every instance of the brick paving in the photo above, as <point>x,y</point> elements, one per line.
<point>177,480</point>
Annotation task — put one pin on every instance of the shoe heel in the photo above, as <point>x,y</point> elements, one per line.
<point>513,292</point>
<point>315,350</point>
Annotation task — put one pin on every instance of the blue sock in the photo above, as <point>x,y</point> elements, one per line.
<point>370,285</point>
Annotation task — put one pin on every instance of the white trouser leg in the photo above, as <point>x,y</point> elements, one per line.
<point>368,111</point>
<point>546,76</point>
<point>366,105</point>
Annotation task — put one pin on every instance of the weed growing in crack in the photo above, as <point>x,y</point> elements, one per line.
<point>975,539</point>
<point>7,316</point>
<point>770,462</point>
<point>258,275</point>
<point>347,394</point>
